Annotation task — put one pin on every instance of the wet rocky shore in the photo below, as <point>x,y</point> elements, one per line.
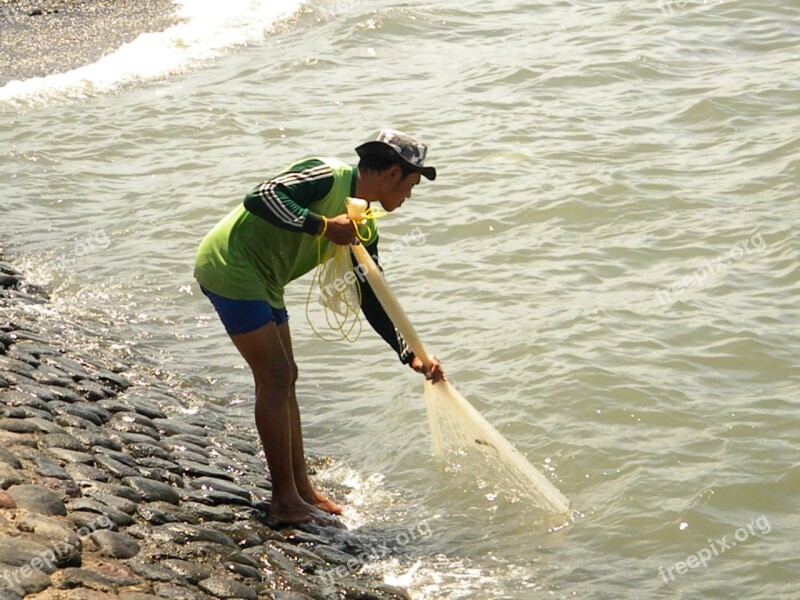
<point>111,489</point>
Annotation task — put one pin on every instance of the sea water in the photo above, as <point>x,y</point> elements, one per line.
<point>607,264</point>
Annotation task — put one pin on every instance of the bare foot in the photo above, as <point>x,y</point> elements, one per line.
<point>302,513</point>
<point>326,504</point>
<point>322,502</point>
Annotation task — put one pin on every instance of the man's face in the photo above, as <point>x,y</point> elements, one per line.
<point>397,188</point>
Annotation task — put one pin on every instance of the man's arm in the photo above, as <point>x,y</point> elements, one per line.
<point>283,200</point>
<point>375,314</point>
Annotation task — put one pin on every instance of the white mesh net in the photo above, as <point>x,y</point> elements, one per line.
<point>462,438</point>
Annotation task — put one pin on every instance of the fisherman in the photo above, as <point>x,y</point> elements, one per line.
<point>277,234</point>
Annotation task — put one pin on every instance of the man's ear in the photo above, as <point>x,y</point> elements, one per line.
<point>396,172</point>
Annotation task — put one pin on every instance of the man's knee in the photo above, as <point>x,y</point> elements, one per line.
<point>276,378</point>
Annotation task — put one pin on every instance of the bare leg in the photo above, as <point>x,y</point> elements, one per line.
<point>304,486</point>
<point>274,374</point>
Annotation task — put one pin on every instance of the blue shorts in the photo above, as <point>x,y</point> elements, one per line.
<point>244,316</point>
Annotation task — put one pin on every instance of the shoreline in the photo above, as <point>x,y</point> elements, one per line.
<point>43,37</point>
<point>110,490</point>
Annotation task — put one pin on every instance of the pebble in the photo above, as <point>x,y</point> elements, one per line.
<point>114,467</point>
<point>71,456</point>
<point>87,504</point>
<point>38,499</point>
<point>9,459</point>
<point>177,592</point>
<point>28,582</point>
<point>7,500</point>
<point>152,491</point>
<point>219,485</point>
<point>62,440</point>
<point>81,473</point>
<point>201,470</point>
<point>115,545</point>
<point>17,552</point>
<point>224,587</point>
<point>47,467</point>
<point>191,572</point>
<point>50,528</point>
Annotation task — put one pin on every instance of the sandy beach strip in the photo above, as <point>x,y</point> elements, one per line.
<point>43,37</point>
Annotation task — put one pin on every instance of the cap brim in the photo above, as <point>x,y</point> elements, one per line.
<point>383,150</point>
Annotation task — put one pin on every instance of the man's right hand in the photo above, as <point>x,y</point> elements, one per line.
<point>340,230</point>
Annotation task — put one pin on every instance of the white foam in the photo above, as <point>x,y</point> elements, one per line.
<point>208,27</point>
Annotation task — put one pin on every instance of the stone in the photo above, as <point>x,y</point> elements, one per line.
<point>24,412</point>
<point>153,491</point>
<point>19,426</point>
<point>71,367</point>
<point>220,514</point>
<point>92,391</point>
<point>165,470</point>
<point>243,570</point>
<point>6,500</point>
<point>87,504</point>
<point>171,427</point>
<point>95,488</point>
<point>71,456</point>
<point>115,545</point>
<point>18,552</point>
<point>46,425</point>
<point>138,451</point>
<point>117,502</point>
<point>181,448</point>
<point>191,572</point>
<point>114,467</point>
<point>113,380</point>
<point>94,439</point>
<point>49,528</point>
<point>28,581</point>
<point>215,498</point>
<point>62,440</point>
<point>82,473</point>
<point>47,467</point>
<point>9,458</point>
<point>177,592</point>
<point>38,499</point>
<point>219,485</point>
<point>9,476</point>
<point>85,578</point>
<point>87,522</point>
<point>40,391</point>
<point>225,587</point>
<point>121,575</point>
<point>91,412</point>
<point>157,516</point>
<point>71,423</point>
<point>201,470</point>
<point>116,454</point>
<point>143,406</point>
<point>152,572</point>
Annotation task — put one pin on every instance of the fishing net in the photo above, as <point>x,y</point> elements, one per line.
<point>463,439</point>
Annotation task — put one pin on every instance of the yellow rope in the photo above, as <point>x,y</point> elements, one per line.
<point>352,310</point>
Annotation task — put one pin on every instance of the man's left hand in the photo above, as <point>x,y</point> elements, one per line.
<point>434,373</point>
